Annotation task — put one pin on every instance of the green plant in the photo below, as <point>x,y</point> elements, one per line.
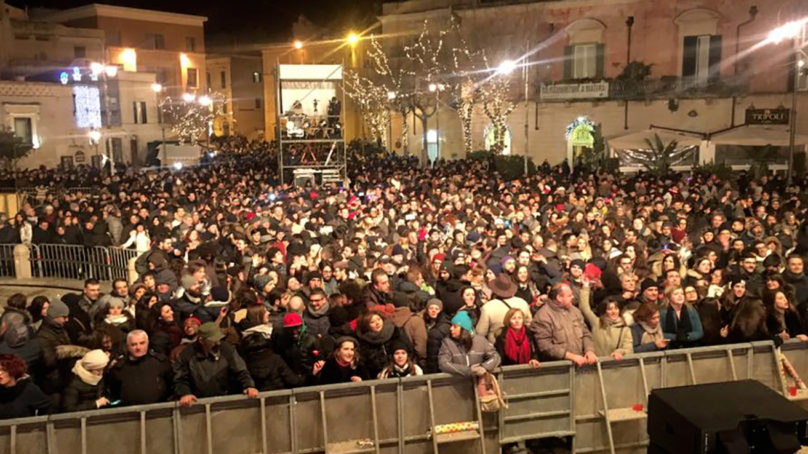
<point>636,71</point>
<point>13,148</point>
<point>510,167</point>
<point>658,157</point>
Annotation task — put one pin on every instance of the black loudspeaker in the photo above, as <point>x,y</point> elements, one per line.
<point>724,418</point>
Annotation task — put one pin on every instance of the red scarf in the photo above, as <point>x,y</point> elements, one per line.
<point>517,346</point>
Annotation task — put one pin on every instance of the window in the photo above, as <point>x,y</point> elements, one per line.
<point>79,51</point>
<point>157,40</point>
<point>257,103</point>
<point>190,74</point>
<point>190,44</point>
<point>583,61</point>
<point>224,107</point>
<point>256,77</point>
<point>207,79</point>
<point>701,57</point>
<point>223,78</point>
<point>139,111</point>
<point>23,129</point>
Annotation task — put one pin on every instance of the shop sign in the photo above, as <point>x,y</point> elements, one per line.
<point>767,116</point>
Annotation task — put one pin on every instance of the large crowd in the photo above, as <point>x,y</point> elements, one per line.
<point>246,285</point>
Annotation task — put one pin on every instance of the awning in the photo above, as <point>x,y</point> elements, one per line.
<point>636,140</point>
<point>757,136</point>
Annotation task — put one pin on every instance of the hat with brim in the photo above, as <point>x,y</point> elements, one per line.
<point>502,286</point>
<point>210,331</point>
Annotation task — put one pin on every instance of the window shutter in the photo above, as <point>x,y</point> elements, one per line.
<point>715,57</point>
<point>567,62</point>
<point>600,60</point>
<point>689,56</point>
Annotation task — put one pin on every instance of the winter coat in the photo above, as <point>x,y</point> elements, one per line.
<point>23,399</point>
<point>438,332</point>
<point>208,375</point>
<point>492,316</point>
<point>267,368</point>
<point>20,341</point>
<point>80,396</point>
<point>500,346</point>
<point>637,333</point>
<point>454,359</point>
<point>139,381</point>
<point>609,337</point>
<point>414,327</point>
<point>375,348</point>
<point>317,323</point>
<point>56,370</point>
<point>332,372</point>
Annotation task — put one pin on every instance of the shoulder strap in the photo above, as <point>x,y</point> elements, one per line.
<point>506,303</point>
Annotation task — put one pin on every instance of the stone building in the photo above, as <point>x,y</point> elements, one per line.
<point>711,68</point>
<point>239,80</point>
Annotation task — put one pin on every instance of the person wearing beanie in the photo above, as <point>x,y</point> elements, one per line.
<point>86,389</point>
<point>465,353</point>
<point>210,367</point>
<point>376,334</point>
<point>52,337</point>
<point>649,291</point>
<point>401,362</point>
<point>438,326</point>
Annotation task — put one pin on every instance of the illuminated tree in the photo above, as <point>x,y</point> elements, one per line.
<point>373,102</point>
<point>497,105</point>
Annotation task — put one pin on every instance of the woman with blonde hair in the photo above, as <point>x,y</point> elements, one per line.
<point>680,321</point>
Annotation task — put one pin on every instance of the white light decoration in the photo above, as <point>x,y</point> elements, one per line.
<point>95,136</point>
<point>111,70</point>
<point>177,165</point>
<point>88,106</point>
<point>204,100</point>
<point>96,68</point>
<point>76,74</point>
<point>64,77</point>
<point>157,87</point>
<point>188,97</point>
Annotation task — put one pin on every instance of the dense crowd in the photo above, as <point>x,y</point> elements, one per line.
<point>246,285</point>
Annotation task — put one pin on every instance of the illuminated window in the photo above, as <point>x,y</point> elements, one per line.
<point>23,129</point>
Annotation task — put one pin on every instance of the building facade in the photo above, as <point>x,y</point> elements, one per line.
<point>239,81</point>
<point>710,67</point>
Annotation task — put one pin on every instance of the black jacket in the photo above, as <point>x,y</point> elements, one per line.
<point>80,396</point>
<point>207,375</point>
<point>499,344</point>
<point>138,381</point>
<point>434,340</point>
<point>375,351</point>
<point>334,373</point>
<point>22,400</point>
<point>267,368</point>
<point>56,371</point>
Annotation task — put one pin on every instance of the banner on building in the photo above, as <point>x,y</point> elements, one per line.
<point>584,90</point>
<point>768,116</point>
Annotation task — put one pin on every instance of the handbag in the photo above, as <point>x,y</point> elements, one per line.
<point>489,394</point>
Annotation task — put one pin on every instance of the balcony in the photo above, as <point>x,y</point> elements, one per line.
<point>665,87</point>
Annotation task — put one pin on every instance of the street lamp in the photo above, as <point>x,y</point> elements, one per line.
<point>95,138</point>
<point>298,44</point>
<point>791,30</point>
<point>353,38</point>
<point>157,88</point>
<point>204,101</point>
<point>188,97</point>
<point>506,67</point>
<point>391,95</point>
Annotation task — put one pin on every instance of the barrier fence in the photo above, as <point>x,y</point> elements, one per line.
<point>593,405</point>
<point>70,261</point>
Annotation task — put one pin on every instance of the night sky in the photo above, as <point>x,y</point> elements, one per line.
<point>244,22</point>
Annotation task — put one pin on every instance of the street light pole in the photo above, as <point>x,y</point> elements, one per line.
<point>526,74</point>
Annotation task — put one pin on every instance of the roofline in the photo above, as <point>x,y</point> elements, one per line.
<point>101,10</point>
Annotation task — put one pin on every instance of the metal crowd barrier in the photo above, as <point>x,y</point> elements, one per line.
<point>7,268</point>
<point>78,262</point>
<point>593,405</point>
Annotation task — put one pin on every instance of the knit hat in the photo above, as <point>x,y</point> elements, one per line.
<point>112,300</point>
<point>58,309</point>
<point>735,279</point>
<point>439,257</point>
<point>261,281</point>
<point>292,320</point>
<point>648,283</point>
<point>210,331</point>
<point>188,281</point>
<point>220,293</point>
<point>398,344</point>
<point>464,321</point>
<point>95,359</point>
<point>435,302</point>
<point>505,260</point>
<point>193,319</point>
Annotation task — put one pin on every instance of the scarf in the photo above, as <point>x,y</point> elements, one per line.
<point>649,334</point>
<point>85,375</point>
<point>343,364</point>
<point>388,329</point>
<point>681,326</point>
<point>517,346</point>
<point>117,320</point>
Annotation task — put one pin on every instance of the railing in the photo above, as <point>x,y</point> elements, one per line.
<point>593,405</point>
<point>70,261</point>
<point>7,268</point>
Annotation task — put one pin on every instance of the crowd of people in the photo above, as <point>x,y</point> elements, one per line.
<point>246,285</point>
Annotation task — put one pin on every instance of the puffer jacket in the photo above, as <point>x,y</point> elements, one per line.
<point>80,396</point>
<point>454,359</point>
<point>267,368</point>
